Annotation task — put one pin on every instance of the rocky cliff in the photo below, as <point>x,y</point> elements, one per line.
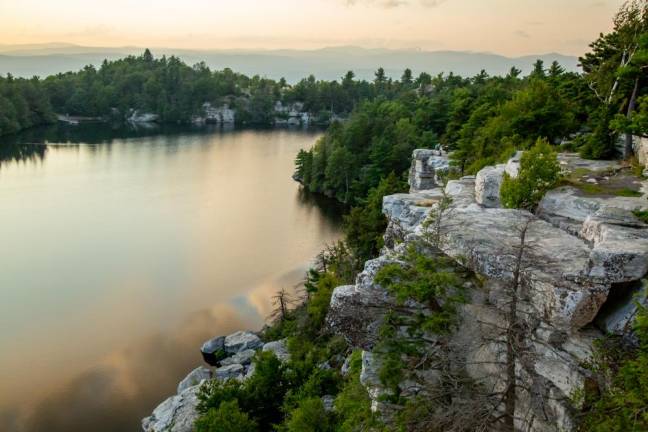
<point>540,289</point>
<point>583,262</point>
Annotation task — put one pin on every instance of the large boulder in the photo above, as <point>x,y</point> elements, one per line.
<point>195,377</point>
<point>620,252</point>
<point>513,165</point>
<point>410,210</point>
<point>427,165</point>
<point>233,371</point>
<point>619,240</point>
<point>567,208</point>
<point>462,191</point>
<point>214,350</point>
<point>487,240</point>
<point>176,414</point>
<point>370,380</point>
<point>487,185</point>
<point>279,348</point>
<point>640,146</point>
<point>356,311</point>
<point>242,340</point>
<point>242,357</point>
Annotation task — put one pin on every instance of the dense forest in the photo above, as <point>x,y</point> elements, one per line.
<point>23,104</point>
<point>176,92</point>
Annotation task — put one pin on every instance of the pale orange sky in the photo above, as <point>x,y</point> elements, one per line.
<point>511,27</point>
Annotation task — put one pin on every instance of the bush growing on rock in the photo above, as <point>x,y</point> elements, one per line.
<point>366,224</point>
<point>539,172</point>
<point>310,416</point>
<point>352,405</point>
<point>622,406</point>
<point>227,418</point>
<point>260,397</point>
<point>430,280</point>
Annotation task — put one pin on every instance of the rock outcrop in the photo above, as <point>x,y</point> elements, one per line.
<point>427,166</point>
<point>195,377</point>
<point>487,185</point>
<point>640,147</point>
<point>176,414</point>
<point>579,275</point>
<point>584,256</point>
<point>278,348</point>
<point>242,340</point>
<point>213,350</point>
<point>142,117</point>
<point>231,357</point>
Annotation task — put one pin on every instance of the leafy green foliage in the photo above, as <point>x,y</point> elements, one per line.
<point>431,280</point>
<point>352,405</point>
<point>622,405</point>
<point>23,104</point>
<point>228,417</point>
<point>643,215</point>
<point>539,172</point>
<point>260,397</point>
<point>366,224</point>
<point>378,139</point>
<point>601,143</point>
<point>309,416</point>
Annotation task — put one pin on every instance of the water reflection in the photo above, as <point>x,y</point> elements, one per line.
<point>124,387</point>
<point>331,208</point>
<point>119,258</point>
<point>21,153</point>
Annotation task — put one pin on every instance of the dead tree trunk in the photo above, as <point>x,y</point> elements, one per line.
<point>513,333</point>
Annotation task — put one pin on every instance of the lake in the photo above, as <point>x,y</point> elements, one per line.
<point>123,249</point>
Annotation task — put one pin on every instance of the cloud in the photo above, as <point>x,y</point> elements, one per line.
<point>388,4</point>
<point>521,34</point>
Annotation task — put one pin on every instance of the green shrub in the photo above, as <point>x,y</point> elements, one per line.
<point>365,225</point>
<point>227,418</point>
<point>260,397</point>
<point>352,405</point>
<point>539,172</point>
<point>431,280</point>
<point>310,416</point>
<point>627,192</point>
<point>601,143</point>
<point>643,215</point>
<point>622,406</point>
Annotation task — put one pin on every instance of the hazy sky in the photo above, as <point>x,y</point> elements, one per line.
<point>510,27</point>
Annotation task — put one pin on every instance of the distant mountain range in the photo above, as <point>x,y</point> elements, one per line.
<point>326,63</point>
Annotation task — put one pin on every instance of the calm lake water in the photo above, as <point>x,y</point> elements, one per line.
<point>122,250</point>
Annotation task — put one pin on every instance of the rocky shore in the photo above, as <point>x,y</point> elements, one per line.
<point>228,357</point>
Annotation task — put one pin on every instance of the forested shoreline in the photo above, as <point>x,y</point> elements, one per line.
<point>175,92</point>
<point>323,382</point>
